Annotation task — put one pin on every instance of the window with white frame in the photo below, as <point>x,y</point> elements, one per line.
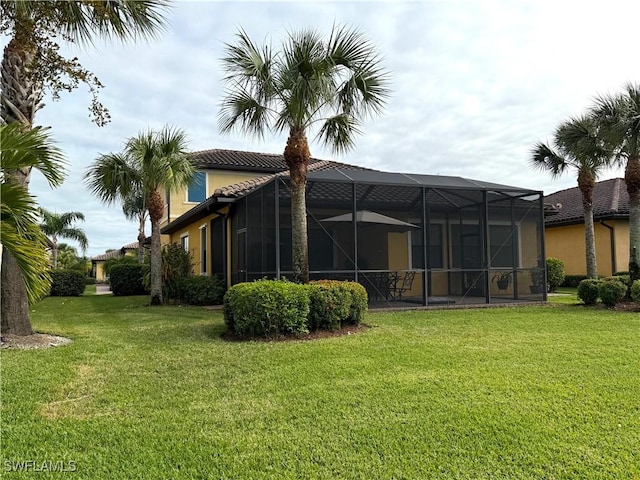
<point>184,241</point>
<point>197,191</point>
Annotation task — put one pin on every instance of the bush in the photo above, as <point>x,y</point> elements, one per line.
<point>126,279</point>
<point>89,281</point>
<point>67,283</point>
<point>123,260</point>
<point>573,281</point>
<point>588,291</point>
<point>176,265</point>
<point>267,308</point>
<point>555,273</point>
<point>359,303</point>
<point>635,292</point>
<point>330,305</point>
<point>200,290</point>
<point>611,291</point>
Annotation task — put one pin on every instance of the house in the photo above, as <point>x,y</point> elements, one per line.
<point>564,231</point>
<point>97,262</point>
<point>421,239</point>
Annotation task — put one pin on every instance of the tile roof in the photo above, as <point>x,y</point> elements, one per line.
<point>115,253</point>
<point>610,199</point>
<point>217,158</point>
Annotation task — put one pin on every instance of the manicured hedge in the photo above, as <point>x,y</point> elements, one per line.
<point>271,308</point>
<point>588,291</point>
<point>611,291</point>
<point>573,281</point>
<point>126,279</point>
<point>200,290</point>
<point>67,283</point>
<point>635,292</point>
<point>267,308</point>
<point>555,273</point>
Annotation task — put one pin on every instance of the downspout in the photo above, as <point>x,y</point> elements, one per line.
<point>612,240</point>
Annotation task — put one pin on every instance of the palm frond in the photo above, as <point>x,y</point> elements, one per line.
<point>544,158</point>
<point>31,148</point>
<point>338,132</point>
<point>123,19</point>
<point>242,111</point>
<point>76,234</point>
<point>112,177</point>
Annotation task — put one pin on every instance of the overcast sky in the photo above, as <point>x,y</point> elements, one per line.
<point>475,85</point>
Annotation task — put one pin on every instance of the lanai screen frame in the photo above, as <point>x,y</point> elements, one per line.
<point>263,217</point>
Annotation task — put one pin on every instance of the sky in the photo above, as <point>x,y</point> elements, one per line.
<point>474,86</point>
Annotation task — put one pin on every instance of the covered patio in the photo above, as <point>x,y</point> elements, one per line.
<point>409,239</point>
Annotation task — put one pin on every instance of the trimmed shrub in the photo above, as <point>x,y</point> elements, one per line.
<point>572,281</point>
<point>89,281</point>
<point>330,305</point>
<point>67,283</point>
<point>200,290</point>
<point>555,273</point>
<point>588,291</point>
<point>611,291</point>
<point>358,299</point>
<point>123,260</point>
<point>126,279</point>
<point>635,292</point>
<point>267,308</point>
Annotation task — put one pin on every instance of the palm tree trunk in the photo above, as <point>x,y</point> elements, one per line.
<point>14,307</point>
<point>20,99</point>
<point>156,264</point>
<point>141,238</point>
<point>590,242</point>
<point>632,179</point>
<point>296,155</point>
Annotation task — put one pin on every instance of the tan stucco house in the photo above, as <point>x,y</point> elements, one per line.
<point>564,231</point>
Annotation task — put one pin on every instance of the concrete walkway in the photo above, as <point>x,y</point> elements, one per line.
<point>102,289</point>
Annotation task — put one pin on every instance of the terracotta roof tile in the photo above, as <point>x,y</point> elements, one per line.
<point>610,199</point>
<point>237,160</point>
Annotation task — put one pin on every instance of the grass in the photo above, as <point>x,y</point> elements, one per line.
<point>142,393</point>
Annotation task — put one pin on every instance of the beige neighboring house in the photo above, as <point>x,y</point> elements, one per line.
<point>97,262</point>
<point>564,231</point>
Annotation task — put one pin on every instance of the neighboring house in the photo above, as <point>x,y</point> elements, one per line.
<point>97,262</point>
<point>374,227</point>
<point>564,231</point>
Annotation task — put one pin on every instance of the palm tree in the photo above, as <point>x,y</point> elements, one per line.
<point>31,63</point>
<point>56,225</point>
<point>150,162</point>
<point>328,85</point>
<point>19,232</point>
<point>618,118</point>
<point>576,146</point>
<point>134,208</point>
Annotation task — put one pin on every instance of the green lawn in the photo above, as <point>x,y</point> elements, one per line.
<point>142,393</point>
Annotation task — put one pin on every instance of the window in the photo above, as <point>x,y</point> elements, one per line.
<point>197,191</point>
<point>434,250</point>
<point>203,250</point>
<point>184,241</point>
<point>502,239</point>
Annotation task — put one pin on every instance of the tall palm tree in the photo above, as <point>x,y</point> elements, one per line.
<point>149,163</point>
<point>31,63</point>
<point>618,118</point>
<point>329,85</point>
<point>19,232</point>
<point>134,207</point>
<point>59,225</point>
<point>576,146</point>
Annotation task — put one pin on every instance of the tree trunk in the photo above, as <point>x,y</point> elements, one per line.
<point>14,309</point>
<point>156,264</point>
<point>590,242</point>
<point>20,99</point>
<point>587,184</point>
<point>296,155</point>
<point>632,179</point>
<point>141,238</point>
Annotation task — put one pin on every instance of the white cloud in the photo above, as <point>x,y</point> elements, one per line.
<point>475,85</point>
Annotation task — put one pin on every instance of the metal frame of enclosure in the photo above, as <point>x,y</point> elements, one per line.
<point>409,239</point>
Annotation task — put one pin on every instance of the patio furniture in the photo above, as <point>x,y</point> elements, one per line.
<point>402,284</point>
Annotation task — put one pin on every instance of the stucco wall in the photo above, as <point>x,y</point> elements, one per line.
<point>567,243</point>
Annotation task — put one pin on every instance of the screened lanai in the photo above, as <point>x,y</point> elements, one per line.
<point>409,239</point>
